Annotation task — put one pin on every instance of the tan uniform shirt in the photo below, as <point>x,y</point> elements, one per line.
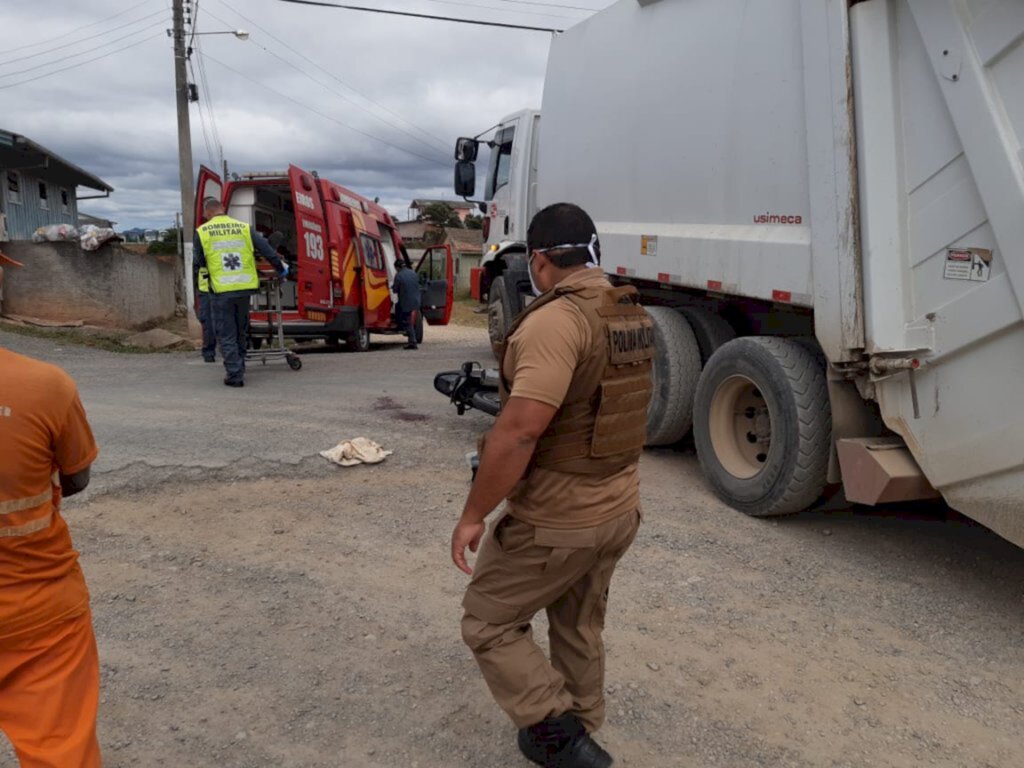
<point>542,357</point>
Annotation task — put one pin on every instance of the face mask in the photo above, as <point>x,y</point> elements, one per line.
<point>594,262</point>
<point>533,283</point>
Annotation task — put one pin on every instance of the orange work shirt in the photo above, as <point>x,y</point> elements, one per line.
<point>43,432</point>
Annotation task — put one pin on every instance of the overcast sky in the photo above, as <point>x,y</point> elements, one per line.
<point>416,84</point>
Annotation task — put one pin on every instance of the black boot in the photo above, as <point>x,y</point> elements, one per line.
<point>562,742</point>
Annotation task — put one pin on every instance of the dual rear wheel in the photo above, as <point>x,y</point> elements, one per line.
<point>758,408</point>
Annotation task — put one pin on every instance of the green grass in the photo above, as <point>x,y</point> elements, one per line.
<point>463,314</point>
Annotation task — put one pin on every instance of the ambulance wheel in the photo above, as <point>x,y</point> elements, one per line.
<point>359,341</point>
<point>295,362</point>
<point>711,330</point>
<point>673,376</point>
<point>418,327</point>
<point>763,425</point>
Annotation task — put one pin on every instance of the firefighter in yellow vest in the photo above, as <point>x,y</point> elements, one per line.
<point>226,248</point>
<point>564,452</point>
<point>206,316</point>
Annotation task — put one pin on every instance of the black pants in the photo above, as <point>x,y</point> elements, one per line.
<point>206,318</point>
<point>231,321</point>
<point>405,324</point>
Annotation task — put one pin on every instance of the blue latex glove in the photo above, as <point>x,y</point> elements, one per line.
<point>284,272</point>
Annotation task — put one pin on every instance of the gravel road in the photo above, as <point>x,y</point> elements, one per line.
<point>255,606</point>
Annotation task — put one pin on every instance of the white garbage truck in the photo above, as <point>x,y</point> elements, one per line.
<point>821,203</point>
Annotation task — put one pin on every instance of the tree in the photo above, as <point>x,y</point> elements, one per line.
<point>167,244</point>
<point>474,222</point>
<point>441,215</point>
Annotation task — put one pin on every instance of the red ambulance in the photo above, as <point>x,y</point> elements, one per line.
<point>342,250</point>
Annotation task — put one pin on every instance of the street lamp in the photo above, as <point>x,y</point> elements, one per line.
<point>241,34</point>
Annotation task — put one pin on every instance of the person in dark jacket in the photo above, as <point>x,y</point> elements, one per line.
<point>407,288</point>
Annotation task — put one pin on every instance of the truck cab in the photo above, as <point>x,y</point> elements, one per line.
<point>341,249</point>
<point>509,201</point>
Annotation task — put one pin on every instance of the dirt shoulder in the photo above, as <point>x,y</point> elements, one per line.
<point>314,622</point>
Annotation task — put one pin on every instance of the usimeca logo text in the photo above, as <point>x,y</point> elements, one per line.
<point>777,218</point>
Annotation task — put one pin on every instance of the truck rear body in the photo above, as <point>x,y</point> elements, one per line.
<point>854,170</point>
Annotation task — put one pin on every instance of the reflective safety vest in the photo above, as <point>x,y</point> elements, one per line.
<point>601,425</point>
<point>204,278</point>
<point>230,256</point>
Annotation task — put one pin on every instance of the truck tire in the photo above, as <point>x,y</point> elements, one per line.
<point>712,331</point>
<point>763,425</point>
<point>674,377</point>
<point>499,312</point>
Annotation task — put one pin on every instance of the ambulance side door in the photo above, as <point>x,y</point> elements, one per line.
<point>437,284</point>
<point>376,290</point>
<point>313,277</point>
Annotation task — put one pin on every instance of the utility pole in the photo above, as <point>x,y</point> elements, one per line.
<point>184,160</point>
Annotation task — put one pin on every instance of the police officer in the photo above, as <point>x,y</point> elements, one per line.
<point>575,375</point>
<point>206,316</point>
<point>226,248</point>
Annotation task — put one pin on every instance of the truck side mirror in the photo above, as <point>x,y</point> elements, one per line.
<point>466,149</point>
<point>465,178</point>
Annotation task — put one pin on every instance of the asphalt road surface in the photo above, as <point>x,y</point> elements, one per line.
<point>256,606</point>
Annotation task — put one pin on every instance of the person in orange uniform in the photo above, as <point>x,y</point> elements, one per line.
<point>49,667</point>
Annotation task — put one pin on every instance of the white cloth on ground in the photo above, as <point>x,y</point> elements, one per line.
<point>358,451</point>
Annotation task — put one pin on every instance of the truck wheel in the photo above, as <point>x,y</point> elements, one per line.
<point>711,330</point>
<point>418,327</point>
<point>674,377</point>
<point>763,425</point>
<point>499,312</point>
<point>359,341</point>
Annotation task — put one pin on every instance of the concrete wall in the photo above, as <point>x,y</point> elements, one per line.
<point>111,287</point>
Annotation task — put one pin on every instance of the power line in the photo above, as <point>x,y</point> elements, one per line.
<point>342,95</point>
<point>331,90</point>
<point>204,85</point>
<point>81,63</point>
<point>550,5</point>
<point>442,142</point>
<point>208,94</point>
<point>202,120</point>
<point>82,53</point>
<point>314,110</point>
<point>83,40</point>
<point>76,30</point>
<point>452,19</point>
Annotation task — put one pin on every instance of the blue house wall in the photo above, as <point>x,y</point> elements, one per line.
<point>26,209</point>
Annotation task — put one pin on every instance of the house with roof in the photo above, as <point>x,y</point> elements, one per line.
<point>39,187</point>
<point>467,247</point>
<point>461,207</point>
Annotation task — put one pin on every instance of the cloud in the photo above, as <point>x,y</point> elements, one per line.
<point>372,102</point>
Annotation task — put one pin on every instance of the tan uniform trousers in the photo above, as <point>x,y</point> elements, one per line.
<point>522,569</point>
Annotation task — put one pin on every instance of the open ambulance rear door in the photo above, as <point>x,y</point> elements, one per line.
<point>314,278</point>
<point>437,284</point>
<point>210,184</point>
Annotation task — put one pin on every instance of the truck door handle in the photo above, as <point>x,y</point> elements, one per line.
<point>506,225</point>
